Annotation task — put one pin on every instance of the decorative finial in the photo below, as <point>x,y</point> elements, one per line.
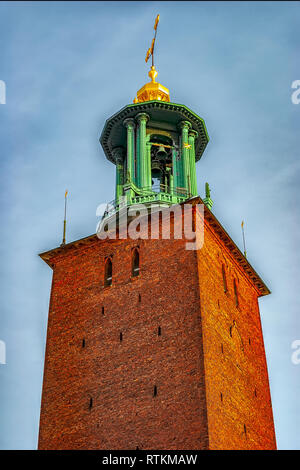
<point>152,90</point>
<point>153,73</point>
<point>207,201</point>
<point>244,243</point>
<point>65,220</point>
<point>207,190</point>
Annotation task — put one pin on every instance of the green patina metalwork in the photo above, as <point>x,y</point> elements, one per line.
<point>208,201</point>
<point>155,146</point>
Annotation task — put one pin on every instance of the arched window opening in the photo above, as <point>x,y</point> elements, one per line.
<point>108,273</point>
<point>235,293</point>
<point>224,278</point>
<point>161,162</point>
<point>135,263</point>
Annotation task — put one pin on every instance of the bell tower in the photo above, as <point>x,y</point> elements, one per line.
<point>151,345</point>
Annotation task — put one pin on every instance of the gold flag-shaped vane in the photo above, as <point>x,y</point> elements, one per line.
<point>66,193</point>
<point>242,224</point>
<point>148,54</point>
<point>151,49</point>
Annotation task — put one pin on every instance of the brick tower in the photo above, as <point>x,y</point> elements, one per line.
<point>151,345</point>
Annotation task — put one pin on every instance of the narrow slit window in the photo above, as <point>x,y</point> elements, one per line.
<point>91,404</point>
<point>159,331</point>
<point>235,293</point>
<point>108,273</point>
<point>121,336</point>
<point>140,298</point>
<point>102,310</point>
<point>83,343</point>
<point>224,278</point>
<point>155,391</point>
<point>135,263</point>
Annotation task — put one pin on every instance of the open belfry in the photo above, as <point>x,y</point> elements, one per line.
<point>152,344</point>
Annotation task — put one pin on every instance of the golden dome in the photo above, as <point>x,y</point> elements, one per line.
<point>152,90</point>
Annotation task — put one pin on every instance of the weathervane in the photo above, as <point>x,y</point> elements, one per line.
<point>152,90</point>
<point>150,51</point>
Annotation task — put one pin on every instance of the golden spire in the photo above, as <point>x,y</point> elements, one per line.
<point>152,90</point>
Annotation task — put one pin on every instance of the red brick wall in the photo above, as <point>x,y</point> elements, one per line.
<point>187,412</point>
<point>234,356</point>
<point>120,376</point>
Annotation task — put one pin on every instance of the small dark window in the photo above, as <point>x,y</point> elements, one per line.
<point>91,404</point>
<point>108,273</point>
<point>102,310</point>
<point>224,278</point>
<point>140,298</point>
<point>222,349</point>
<point>83,343</point>
<point>159,331</point>
<point>235,293</point>
<point>221,396</point>
<point>135,263</point>
<point>121,336</point>
<point>255,392</point>
<point>245,430</point>
<point>155,391</point>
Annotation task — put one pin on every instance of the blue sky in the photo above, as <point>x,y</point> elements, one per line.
<point>67,68</point>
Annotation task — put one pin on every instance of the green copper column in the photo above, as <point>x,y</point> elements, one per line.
<point>118,154</point>
<point>192,136</point>
<point>175,169</point>
<point>130,174</point>
<point>148,163</point>
<point>185,126</point>
<point>171,186</point>
<point>142,166</point>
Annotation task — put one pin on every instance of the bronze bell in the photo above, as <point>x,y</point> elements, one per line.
<point>161,153</point>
